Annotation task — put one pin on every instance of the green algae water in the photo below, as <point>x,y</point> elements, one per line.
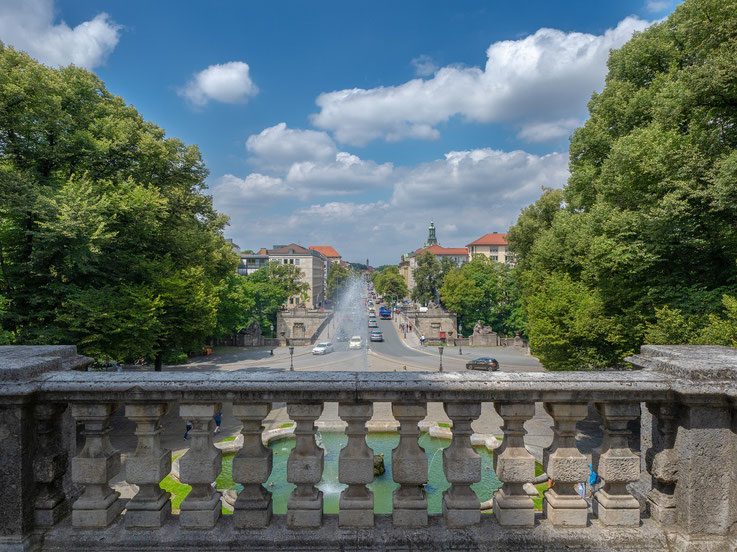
<point>383,485</point>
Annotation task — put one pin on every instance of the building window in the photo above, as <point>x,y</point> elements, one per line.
<point>291,261</point>
<point>493,250</point>
<point>296,300</point>
<point>291,300</point>
<point>296,261</point>
<point>494,257</point>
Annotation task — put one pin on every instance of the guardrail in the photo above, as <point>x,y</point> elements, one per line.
<point>685,398</point>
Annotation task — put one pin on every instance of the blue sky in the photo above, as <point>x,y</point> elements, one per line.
<point>351,124</point>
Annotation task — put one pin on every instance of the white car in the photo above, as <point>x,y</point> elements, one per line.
<point>355,342</point>
<point>323,348</point>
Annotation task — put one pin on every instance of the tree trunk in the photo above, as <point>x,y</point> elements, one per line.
<point>158,361</point>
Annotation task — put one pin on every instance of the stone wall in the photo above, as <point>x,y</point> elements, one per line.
<point>432,322</point>
<point>300,326</point>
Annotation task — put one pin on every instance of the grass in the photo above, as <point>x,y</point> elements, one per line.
<point>538,502</point>
<point>539,469</point>
<point>227,439</point>
<point>443,424</point>
<point>288,424</point>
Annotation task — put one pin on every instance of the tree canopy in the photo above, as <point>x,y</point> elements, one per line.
<point>107,236</point>
<point>338,278</point>
<point>389,283</point>
<point>428,278</point>
<point>642,238</point>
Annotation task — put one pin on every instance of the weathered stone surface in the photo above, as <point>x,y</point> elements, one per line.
<point>462,467</point>
<point>409,468</point>
<point>304,468</point>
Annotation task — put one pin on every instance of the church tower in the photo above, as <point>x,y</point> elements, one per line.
<point>431,239</point>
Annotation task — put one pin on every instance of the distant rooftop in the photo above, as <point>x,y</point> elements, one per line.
<point>326,250</point>
<point>493,238</point>
<point>438,250</point>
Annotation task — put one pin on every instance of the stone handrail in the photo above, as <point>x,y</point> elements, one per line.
<point>686,495</point>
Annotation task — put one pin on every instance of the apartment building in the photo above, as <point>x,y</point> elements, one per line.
<point>493,245</point>
<point>313,265</point>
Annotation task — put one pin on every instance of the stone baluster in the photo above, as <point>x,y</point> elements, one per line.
<point>304,468</point>
<point>356,468</point>
<point>94,466</point>
<point>462,467</point>
<point>662,463</point>
<point>617,466</point>
<point>409,468</point>
<point>151,463</point>
<point>514,466</point>
<point>252,467</point>
<point>566,466</point>
<point>49,465</point>
<point>199,467</point>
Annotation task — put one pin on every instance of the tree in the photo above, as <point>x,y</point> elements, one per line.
<point>107,237</point>
<point>428,278</point>
<point>338,278</point>
<point>642,240</point>
<point>390,284</point>
<point>287,277</point>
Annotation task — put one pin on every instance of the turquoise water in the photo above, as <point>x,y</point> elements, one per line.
<point>383,485</point>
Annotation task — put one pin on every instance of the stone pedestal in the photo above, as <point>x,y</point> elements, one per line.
<point>199,467</point>
<point>151,463</point>
<point>356,468</point>
<point>304,468</point>
<point>514,466</point>
<point>409,468</point>
<point>662,463</point>
<point>49,465</point>
<point>462,468</point>
<point>94,466</point>
<point>251,468</point>
<point>566,466</point>
<point>617,466</point>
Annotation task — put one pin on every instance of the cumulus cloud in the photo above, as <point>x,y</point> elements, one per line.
<point>227,83</point>
<point>424,65</point>
<point>279,146</point>
<point>29,26</point>
<point>347,173</point>
<point>459,191</point>
<point>656,6</point>
<point>544,78</point>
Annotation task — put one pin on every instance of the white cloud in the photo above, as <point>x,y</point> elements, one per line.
<point>544,78</point>
<point>29,26</point>
<point>424,65</point>
<point>656,6</point>
<point>227,83</point>
<point>256,190</point>
<point>279,146</point>
<point>467,193</point>
<point>347,173</point>
<point>542,132</point>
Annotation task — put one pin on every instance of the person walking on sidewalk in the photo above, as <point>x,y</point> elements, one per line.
<point>218,420</point>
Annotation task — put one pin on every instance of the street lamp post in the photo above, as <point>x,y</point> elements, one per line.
<point>271,327</point>
<point>440,350</point>
<point>291,358</point>
<point>460,337</point>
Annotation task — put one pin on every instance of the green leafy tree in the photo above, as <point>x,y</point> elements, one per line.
<point>428,278</point>
<point>644,230</point>
<point>390,284</point>
<point>288,278</point>
<point>107,237</point>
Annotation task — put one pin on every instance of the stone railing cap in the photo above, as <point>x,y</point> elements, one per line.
<point>27,362</point>
<point>692,362</point>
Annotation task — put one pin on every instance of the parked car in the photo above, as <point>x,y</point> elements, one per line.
<point>355,342</point>
<point>377,336</point>
<point>484,363</point>
<point>323,348</point>
<point>372,323</point>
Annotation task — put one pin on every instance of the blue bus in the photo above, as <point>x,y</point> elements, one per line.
<point>385,313</point>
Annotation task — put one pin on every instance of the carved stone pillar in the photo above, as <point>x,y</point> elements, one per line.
<point>49,465</point>
<point>94,466</point>
<point>662,463</point>
<point>409,468</point>
<point>304,468</point>
<point>252,467</point>
<point>356,468</point>
<point>199,467</point>
<point>514,466</point>
<point>617,466</point>
<point>147,468</point>
<point>462,468</point>
<point>566,466</point>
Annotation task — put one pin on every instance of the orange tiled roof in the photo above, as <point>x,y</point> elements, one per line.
<point>494,238</point>
<point>326,250</point>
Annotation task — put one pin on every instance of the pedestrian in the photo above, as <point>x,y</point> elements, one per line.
<point>422,340</point>
<point>404,367</point>
<point>218,420</point>
<point>594,480</point>
<point>188,426</point>
<point>581,489</point>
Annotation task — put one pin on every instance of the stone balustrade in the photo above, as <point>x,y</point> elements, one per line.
<point>681,495</point>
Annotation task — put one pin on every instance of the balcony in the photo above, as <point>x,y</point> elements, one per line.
<point>680,494</point>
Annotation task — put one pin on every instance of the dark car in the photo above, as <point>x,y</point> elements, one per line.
<point>485,363</point>
<point>376,336</point>
<point>342,337</point>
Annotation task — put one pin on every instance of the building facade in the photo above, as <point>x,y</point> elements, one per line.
<point>314,269</point>
<point>494,246</point>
